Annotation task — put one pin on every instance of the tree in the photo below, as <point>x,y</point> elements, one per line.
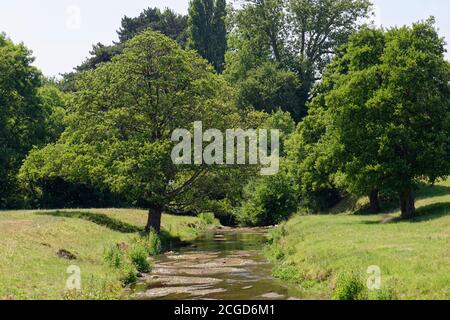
<point>21,114</point>
<point>220,35</point>
<point>167,22</point>
<point>268,88</point>
<point>316,152</point>
<point>301,36</point>
<point>207,30</point>
<point>268,200</point>
<point>54,103</point>
<point>100,54</point>
<point>119,132</point>
<point>313,160</point>
<point>391,115</point>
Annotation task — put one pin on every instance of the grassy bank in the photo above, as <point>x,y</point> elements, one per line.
<point>30,267</point>
<point>318,253</point>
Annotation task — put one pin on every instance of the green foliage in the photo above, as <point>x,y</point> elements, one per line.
<point>114,256</point>
<point>350,286</point>
<point>100,53</point>
<point>289,43</point>
<point>267,201</point>
<point>97,289</point>
<point>269,87</point>
<point>22,118</point>
<point>151,242</point>
<point>128,259</point>
<point>54,103</point>
<point>287,273</point>
<point>138,254</point>
<point>207,30</point>
<point>383,294</point>
<point>165,21</point>
<point>128,274</point>
<point>391,136</point>
<point>207,218</point>
<point>118,136</point>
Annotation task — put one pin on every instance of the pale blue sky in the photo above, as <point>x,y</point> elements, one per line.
<point>61,38</point>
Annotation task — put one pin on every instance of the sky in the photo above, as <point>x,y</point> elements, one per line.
<point>61,32</point>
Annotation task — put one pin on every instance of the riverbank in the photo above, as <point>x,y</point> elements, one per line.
<point>326,256</point>
<point>37,247</point>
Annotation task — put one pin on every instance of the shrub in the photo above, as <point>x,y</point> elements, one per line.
<point>268,201</point>
<point>114,256</point>
<point>128,274</point>
<point>151,242</point>
<point>139,257</point>
<point>207,218</point>
<point>349,286</point>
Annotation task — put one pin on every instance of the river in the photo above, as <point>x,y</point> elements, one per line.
<point>223,264</point>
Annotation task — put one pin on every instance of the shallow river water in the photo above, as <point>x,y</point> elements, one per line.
<point>221,264</point>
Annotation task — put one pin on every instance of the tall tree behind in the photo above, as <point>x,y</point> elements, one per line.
<point>220,34</point>
<point>299,36</point>
<point>207,31</point>
<point>165,21</point>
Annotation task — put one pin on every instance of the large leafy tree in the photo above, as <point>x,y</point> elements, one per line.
<point>301,36</point>
<point>207,31</point>
<point>390,108</point>
<point>21,114</point>
<point>314,150</point>
<point>121,121</point>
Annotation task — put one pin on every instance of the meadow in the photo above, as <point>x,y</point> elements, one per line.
<point>315,252</point>
<point>34,248</point>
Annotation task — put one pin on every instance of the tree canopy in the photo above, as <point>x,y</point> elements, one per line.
<point>22,120</point>
<point>166,21</point>
<point>118,134</point>
<point>207,30</point>
<point>389,99</point>
<point>300,36</point>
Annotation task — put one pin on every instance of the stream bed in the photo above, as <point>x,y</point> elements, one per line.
<point>222,264</point>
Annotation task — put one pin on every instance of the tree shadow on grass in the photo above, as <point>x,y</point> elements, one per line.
<point>423,214</point>
<point>388,205</point>
<point>428,191</point>
<point>97,218</point>
<point>430,212</point>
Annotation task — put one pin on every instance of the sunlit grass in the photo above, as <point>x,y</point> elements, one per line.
<point>414,256</point>
<point>30,240</point>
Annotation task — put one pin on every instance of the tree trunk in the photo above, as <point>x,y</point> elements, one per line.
<point>407,204</point>
<point>374,202</point>
<point>154,219</point>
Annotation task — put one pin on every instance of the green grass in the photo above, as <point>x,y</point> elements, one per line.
<point>414,256</point>
<point>30,240</point>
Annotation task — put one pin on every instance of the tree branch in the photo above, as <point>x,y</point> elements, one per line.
<point>186,185</point>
